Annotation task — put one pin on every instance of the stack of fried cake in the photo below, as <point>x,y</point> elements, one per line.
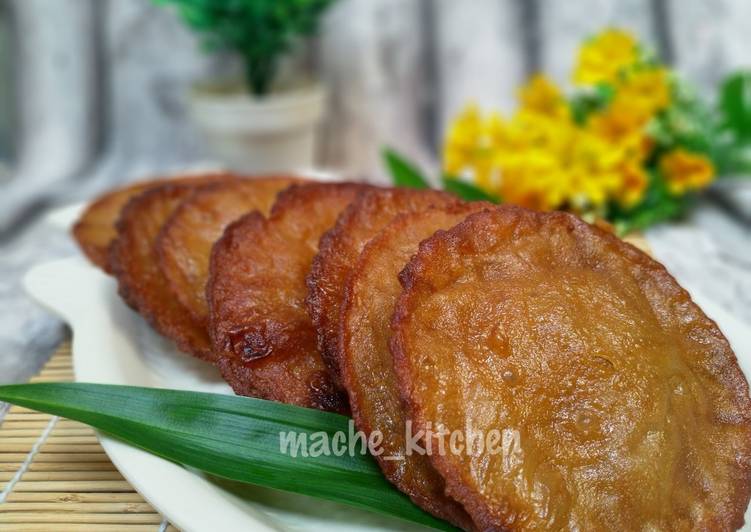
<point>609,400</point>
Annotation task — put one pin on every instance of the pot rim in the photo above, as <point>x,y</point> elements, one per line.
<point>311,93</point>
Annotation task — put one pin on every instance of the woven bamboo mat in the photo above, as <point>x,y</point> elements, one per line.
<point>55,476</point>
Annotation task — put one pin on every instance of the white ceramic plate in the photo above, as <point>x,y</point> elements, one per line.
<point>113,345</point>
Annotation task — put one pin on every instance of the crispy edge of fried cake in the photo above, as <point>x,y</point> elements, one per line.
<point>366,363</point>
<point>134,264</point>
<point>338,250</point>
<point>258,323</point>
<point>184,242</point>
<point>95,230</point>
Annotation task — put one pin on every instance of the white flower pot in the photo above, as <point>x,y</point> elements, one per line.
<point>275,133</point>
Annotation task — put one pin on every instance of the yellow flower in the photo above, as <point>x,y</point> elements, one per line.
<point>594,165</point>
<point>462,139</point>
<point>638,98</point>
<point>684,171</point>
<point>543,96</point>
<point>533,179</point>
<point>469,146</point>
<point>648,90</point>
<point>530,159</point>
<point>464,133</point>
<point>619,120</point>
<point>633,185</point>
<point>605,56</point>
<point>494,128</point>
<point>542,158</point>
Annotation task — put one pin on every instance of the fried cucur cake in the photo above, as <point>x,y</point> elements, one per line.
<point>339,249</point>
<point>134,263</point>
<point>184,243</point>
<point>95,229</point>
<point>366,364</point>
<point>256,293</point>
<point>618,404</point>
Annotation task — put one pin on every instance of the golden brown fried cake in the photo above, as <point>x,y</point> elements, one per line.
<point>339,249</point>
<point>256,293</point>
<point>365,359</point>
<point>184,244</point>
<point>620,405</point>
<point>95,229</point>
<point>134,263</point>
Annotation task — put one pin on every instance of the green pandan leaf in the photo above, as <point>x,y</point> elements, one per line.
<point>403,173</point>
<point>467,191</point>
<point>735,104</point>
<point>236,438</point>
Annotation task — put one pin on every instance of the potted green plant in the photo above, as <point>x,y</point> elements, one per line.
<point>261,123</point>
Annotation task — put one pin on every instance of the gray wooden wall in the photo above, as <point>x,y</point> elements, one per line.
<point>100,84</point>
<point>92,92</point>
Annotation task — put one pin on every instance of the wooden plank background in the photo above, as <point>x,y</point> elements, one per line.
<point>397,71</point>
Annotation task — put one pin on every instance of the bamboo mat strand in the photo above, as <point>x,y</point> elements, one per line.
<point>55,477</point>
<point>36,445</point>
<point>4,407</point>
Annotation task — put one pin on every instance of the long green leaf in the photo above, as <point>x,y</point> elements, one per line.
<point>231,437</point>
<point>403,173</point>
<point>467,191</point>
<point>735,104</point>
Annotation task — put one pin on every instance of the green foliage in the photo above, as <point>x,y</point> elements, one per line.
<point>406,174</point>
<point>720,135</point>
<point>403,172</point>
<point>466,191</point>
<point>732,136</point>
<point>657,206</point>
<point>687,123</point>
<point>735,105</point>
<point>235,438</point>
<point>690,124</point>
<point>587,102</point>
<point>261,31</point>
<point>733,159</point>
